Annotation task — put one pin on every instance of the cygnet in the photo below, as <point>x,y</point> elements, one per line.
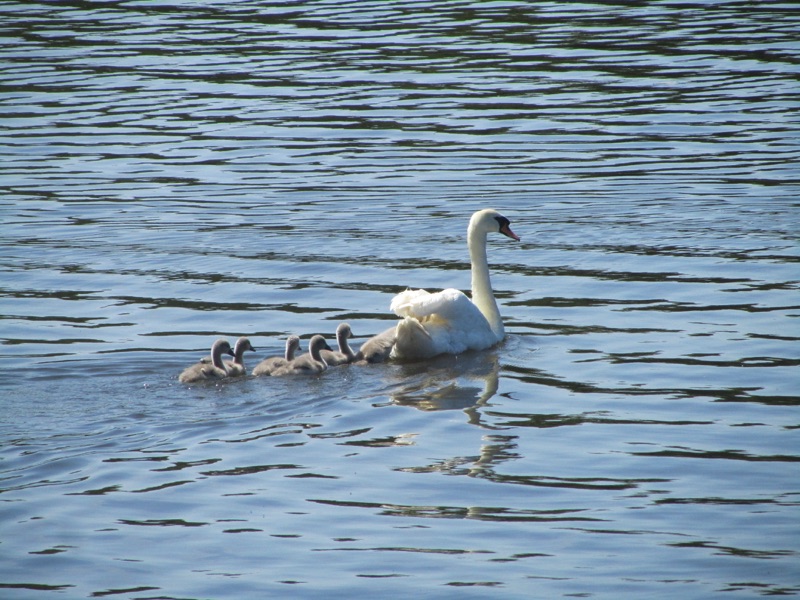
<point>214,370</point>
<point>307,364</point>
<point>345,354</point>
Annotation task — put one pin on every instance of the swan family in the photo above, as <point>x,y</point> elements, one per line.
<point>431,323</point>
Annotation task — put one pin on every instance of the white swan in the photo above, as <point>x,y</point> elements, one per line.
<point>448,322</point>
<point>235,367</point>
<point>377,348</point>
<point>203,370</point>
<point>308,364</point>
<point>272,363</point>
<point>345,354</point>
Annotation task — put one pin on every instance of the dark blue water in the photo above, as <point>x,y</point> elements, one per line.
<point>174,173</point>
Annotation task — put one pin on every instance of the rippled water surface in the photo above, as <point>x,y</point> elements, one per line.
<point>176,172</point>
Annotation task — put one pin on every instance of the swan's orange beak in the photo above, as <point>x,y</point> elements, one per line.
<point>506,230</point>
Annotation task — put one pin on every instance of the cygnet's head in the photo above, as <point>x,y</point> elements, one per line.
<point>318,344</point>
<point>293,343</point>
<point>242,345</point>
<point>221,347</point>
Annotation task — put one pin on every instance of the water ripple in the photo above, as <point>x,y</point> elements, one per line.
<point>174,173</point>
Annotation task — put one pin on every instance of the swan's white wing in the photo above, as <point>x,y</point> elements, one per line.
<point>460,326</point>
<point>421,304</point>
<point>403,303</point>
<point>449,305</point>
<point>443,322</point>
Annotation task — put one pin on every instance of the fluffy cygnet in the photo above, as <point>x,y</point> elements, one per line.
<point>308,364</point>
<point>378,348</point>
<point>236,366</point>
<point>213,370</point>
<point>270,364</point>
<point>345,354</point>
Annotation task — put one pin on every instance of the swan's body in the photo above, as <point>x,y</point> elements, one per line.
<point>448,322</point>
<point>204,370</point>
<point>377,348</point>
<point>235,367</point>
<point>268,365</point>
<point>307,364</point>
<point>345,354</point>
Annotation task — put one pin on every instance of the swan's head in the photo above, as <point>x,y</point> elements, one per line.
<point>243,344</point>
<point>489,220</point>
<point>221,347</point>
<point>317,344</point>
<point>293,343</point>
<point>343,331</point>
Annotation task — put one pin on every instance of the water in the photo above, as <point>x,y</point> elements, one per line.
<point>173,173</point>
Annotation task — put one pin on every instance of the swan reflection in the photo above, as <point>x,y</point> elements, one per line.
<point>449,382</point>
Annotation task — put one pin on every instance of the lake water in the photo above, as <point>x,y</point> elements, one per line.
<point>177,172</point>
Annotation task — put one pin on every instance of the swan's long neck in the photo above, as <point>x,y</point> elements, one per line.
<point>238,356</point>
<point>344,346</point>
<point>316,353</point>
<point>216,357</point>
<point>482,293</point>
